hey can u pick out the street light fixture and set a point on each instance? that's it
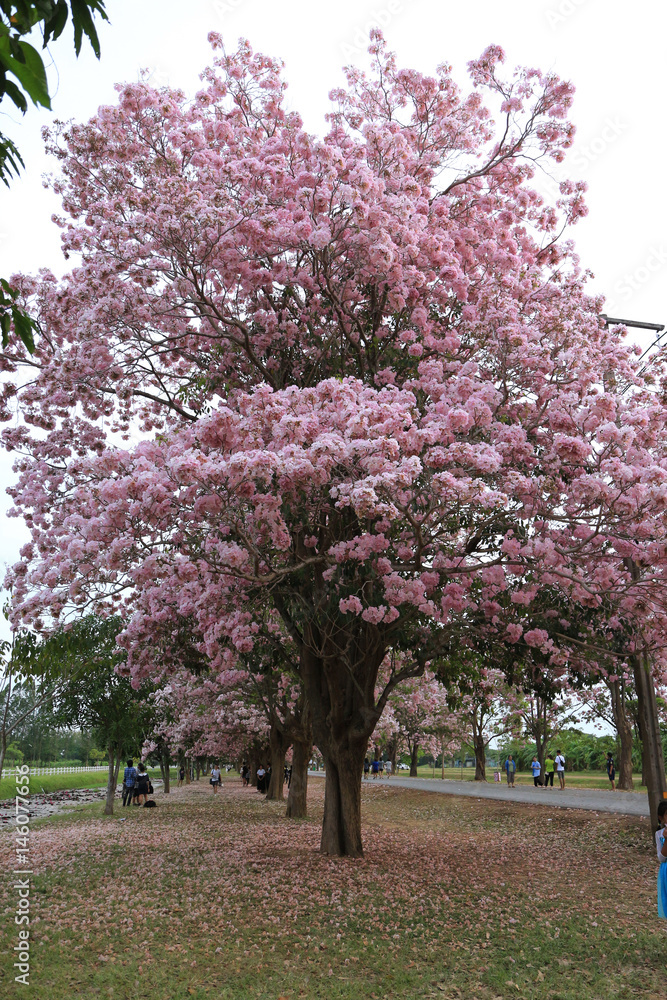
(657, 327)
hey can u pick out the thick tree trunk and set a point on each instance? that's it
(649, 726)
(277, 748)
(254, 765)
(341, 827)
(112, 781)
(188, 770)
(413, 759)
(341, 697)
(624, 730)
(480, 758)
(298, 790)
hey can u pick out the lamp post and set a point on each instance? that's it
(649, 725)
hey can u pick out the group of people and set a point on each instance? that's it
(377, 768)
(552, 765)
(136, 784)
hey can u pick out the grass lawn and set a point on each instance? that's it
(222, 897)
(573, 779)
(58, 782)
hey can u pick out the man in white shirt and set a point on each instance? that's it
(387, 768)
(560, 768)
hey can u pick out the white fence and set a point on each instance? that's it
(38, 772)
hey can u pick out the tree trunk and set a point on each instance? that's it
(277, 748)
(624, 729)
(480, 758)
(254, 764)
(647, 712)
(341, 826)
(164, 767)
(188, 769)
(298, 789)
(393, 753)
(112, 781)
(413, 759)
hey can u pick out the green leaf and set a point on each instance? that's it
(24, 326)
(53, 28)
(33, 61)
(15, 94)
(10, 159)
(29, 70)
(4, 326)
(83, 23)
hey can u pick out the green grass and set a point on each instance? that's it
(58, 782)
(573, 779)
(455, 898)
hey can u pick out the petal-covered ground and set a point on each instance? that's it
(223, 897)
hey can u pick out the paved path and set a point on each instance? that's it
(598, 800)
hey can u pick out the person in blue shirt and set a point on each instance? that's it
(536, 768)
(129, 783)
(510, 770)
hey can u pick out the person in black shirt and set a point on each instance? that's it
(611, 771)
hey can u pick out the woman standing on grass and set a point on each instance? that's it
(141, 788)
(661, 844)
(215, 778)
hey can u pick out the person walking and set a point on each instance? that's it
(375, 768)
(181, 775)
(245, 774)
(367, 768)
(387, 768)
(536, 768)
(611, 771)
(215, 778)
(560, 768)
(510, 770)
(141, 787)
(129, 781)
(261, 778)
(661, 845)
(549, 768)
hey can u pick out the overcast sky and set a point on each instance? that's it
(613, 53)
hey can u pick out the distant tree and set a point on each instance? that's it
(31, 673)
(98, 698)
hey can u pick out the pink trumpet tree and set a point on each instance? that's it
(487, 710)
(419, 706)
(382, 397)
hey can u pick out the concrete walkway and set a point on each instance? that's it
(598, 800)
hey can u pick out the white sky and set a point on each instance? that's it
(613, 52)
